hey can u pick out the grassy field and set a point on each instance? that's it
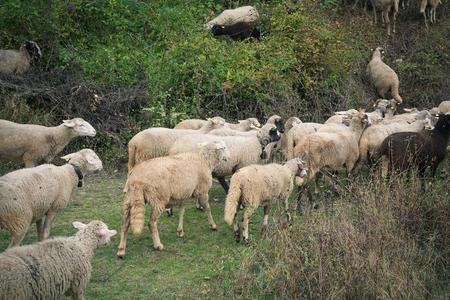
(187, 267)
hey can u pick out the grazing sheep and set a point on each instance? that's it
(373, 137)
(403, 150)
(237, 31)
(432, 4)
(156, 142)
(53, 268)
(18, 62)
(34, 143)
(444, 107)
(386, 7)
(382, 76)
(332, 150)
(37, 194)
(244, 150)
(257, 185)
(165, 182)
(246, 14)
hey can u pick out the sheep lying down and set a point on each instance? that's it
(52, 268)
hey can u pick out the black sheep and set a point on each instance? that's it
(237, 31)
(403, 150)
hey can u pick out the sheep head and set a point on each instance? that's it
(291, 122)
(32, 48)
(216, 122)
(96, 230)
(383, 105)
(86, 159)
(80, 127)
(253, 123)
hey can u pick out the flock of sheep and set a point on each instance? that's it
(167, 166)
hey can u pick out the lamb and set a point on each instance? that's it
(432, 4)
(55, 267)
(403, 150)
(333, 150)
(444, 107)
(247, 14)
(164, 182)
(18, 62)
(156, 141)
(244, 150)
(373, 137)
(257, 185)
(382, 76)
(386, 7)
(37, 194)
(35, 143)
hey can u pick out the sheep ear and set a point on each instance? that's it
(79, 225)
(69, 123)
(67, 157)
(107, 233)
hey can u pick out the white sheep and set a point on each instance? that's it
(410, 116)
(37, 194)
(373, 137)
(386, 7)
(34, 143)
(52, 268)
(247, 14)
(156, 141)
(432, 4)
(338, 116)
(332, 150)
(382, 76)
(194, 124)
(260, 185)
(244, 150)
(165, 182)
(18, 62)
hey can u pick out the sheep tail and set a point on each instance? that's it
(135, 202)
(131, 157)
(395, 94)
(232, 201)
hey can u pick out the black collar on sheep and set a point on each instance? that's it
(79, 174)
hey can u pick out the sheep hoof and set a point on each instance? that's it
(245, 241)
(158, 247)
(199, 207)
(120, 254)
(180, 233)
(213, 226)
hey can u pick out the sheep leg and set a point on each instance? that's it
(152, 224)
(224, 184)
(40, 229)
(51, 214)
(248, 212)
(237, 233)
(17, 237)
(204, 202)
(123, 233)
(266, 218)
(180, 230)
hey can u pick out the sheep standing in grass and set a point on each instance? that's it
(382, 76)
(52, 268)
(386, 7)
(18, 62)
(260, 185)
(333, 150)
(37, 194)
(156, 142)
(34, 143)
(403, 150)
(245, 150)
(432, 4)
(373, 137)
(165, 182)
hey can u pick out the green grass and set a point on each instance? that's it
(187, 268)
